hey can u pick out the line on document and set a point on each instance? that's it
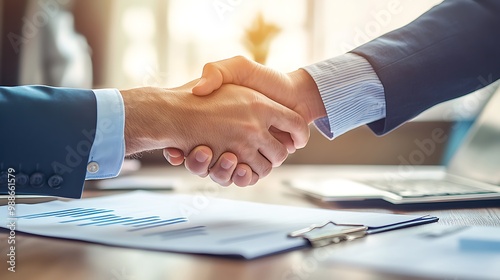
(143, 220)
(179, 232)
(165, 223)
(92, 219)
(51, 213)
(247, 237)
(161, 221)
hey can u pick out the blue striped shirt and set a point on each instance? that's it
(351, 91)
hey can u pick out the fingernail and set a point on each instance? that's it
(241, 172)
(167, 155)
(226, 164)
(201, 156)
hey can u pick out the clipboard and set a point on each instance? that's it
(329, 232)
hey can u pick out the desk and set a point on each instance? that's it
(53, 259)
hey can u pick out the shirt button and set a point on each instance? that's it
(92, 167)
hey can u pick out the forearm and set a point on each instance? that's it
(47, 134)
(451, 50)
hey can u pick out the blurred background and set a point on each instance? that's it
(132, 43)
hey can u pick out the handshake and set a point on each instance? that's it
(235, 124)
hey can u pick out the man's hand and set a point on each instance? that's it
(199, 162)
(296, 90)
(232, 119)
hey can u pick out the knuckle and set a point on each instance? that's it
(259, 103)
(209, 67)
(297, 120)
(255, 134)
(241, 59)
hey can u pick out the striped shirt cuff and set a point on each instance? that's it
(351, 91)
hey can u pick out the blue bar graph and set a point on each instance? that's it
(180, 233)
(95, 219)
(104, 217)
(159, 224)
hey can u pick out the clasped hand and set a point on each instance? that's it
(250, 152)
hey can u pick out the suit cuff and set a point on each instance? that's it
(108, 149)
(351, 91)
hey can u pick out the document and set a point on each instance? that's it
(183, 223)
(437, 252)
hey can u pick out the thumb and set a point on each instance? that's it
(229, 71)
(211, 80)
(174, 156)
(205, 86)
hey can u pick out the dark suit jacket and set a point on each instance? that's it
(451, 50)
(46, 135)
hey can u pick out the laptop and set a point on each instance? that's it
(473, 173)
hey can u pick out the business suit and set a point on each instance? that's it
(446, 53)
(46, 136)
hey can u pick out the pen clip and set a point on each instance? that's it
(318, 235)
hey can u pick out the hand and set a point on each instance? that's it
(199, 159)
(296, 90)
(199, 163)
(225, 121)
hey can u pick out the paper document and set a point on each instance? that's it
(183, 223)
(437, 252)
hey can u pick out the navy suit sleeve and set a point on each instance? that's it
(450, 51)
(46, 136)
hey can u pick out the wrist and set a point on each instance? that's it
(132, 129)
(309, 102)
(145, 119)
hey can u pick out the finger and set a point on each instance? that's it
(198, 160)
(223, 169)
(174, 156)
(242, 175)
(255, 179)
(259, 163)
(284, 138)
(273, 150)
(289, 121)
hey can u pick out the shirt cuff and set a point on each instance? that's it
(108, 151)
(351, 91)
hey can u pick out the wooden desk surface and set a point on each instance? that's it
(54, 259)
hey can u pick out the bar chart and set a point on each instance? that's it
(84, 217)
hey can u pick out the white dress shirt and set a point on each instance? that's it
(351, 91)
(108, 150)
